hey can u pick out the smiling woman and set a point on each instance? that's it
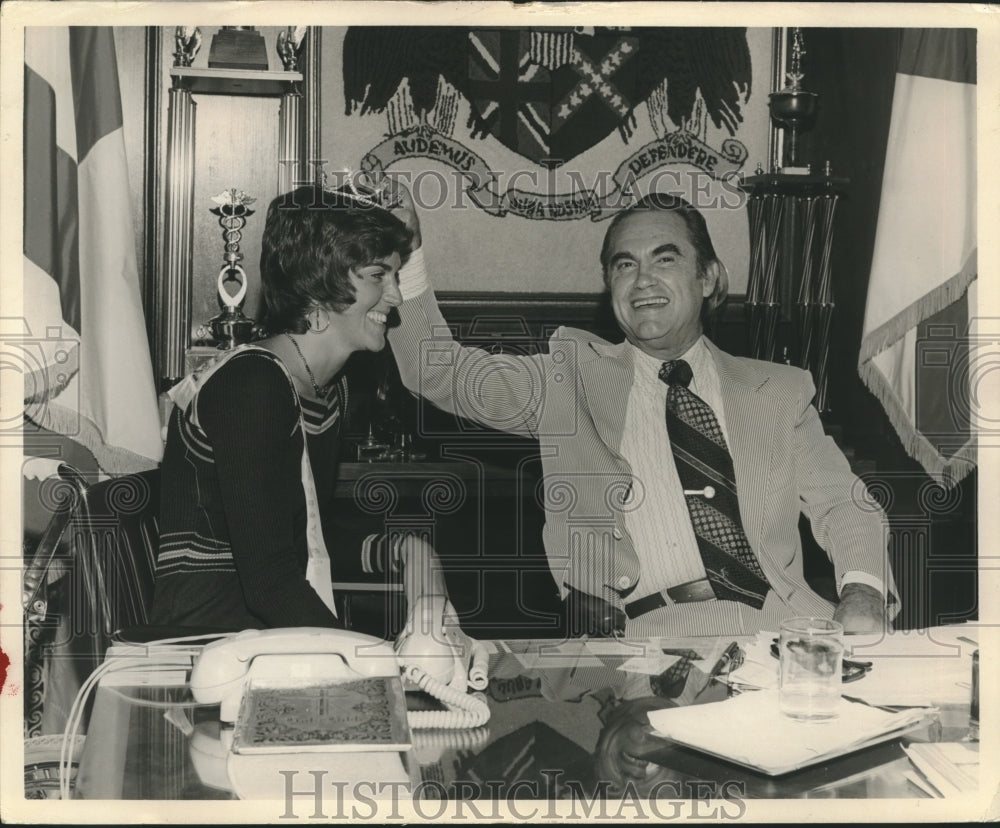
(253, 441)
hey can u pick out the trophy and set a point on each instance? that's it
(289, 45)
(231, 328)
(187, 42)
(792, 106)
(238, 47)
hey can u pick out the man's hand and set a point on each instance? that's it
(861, 609)
(589, 615)
(624, 741)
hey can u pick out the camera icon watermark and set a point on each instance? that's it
(957, 374)
(498, 381)
(932, 548)
(45, 362)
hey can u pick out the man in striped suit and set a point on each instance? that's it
(630, 544)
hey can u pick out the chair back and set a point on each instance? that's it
(115, 537)
(62, 494)
(91, 575)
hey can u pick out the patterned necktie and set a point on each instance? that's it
(702, 460)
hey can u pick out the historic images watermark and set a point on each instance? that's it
(314, 795)
(538, 193)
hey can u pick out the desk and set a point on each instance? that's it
(565, 723)
(413, 479)
(485, 522)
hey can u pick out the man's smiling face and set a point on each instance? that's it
(657, 283)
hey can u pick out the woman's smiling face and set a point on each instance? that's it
(362, 325)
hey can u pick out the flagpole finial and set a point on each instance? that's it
(795, 73)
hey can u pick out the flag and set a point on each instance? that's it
(918, 350)
(510, 91)
(82, 336)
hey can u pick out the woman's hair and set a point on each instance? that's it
(312, 239)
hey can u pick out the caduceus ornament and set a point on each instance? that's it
(231, 327)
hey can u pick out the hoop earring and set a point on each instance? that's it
(318, 320)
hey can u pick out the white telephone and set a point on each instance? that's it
(435, 663)
(226, 666)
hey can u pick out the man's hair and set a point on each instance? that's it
(700, 240)
(312, 239)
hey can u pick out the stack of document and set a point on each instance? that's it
(945, 768)
(913, 668)
(140, 665)
(750, 730)
(759, 669)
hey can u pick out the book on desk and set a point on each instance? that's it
(367, 714)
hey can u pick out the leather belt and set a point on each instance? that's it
(700, 590)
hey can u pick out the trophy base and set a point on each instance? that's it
(238, 49)
(231, 328)
(806, 170)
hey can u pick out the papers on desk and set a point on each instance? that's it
(945, 768)
(536, 655)
(129, 665)
(916, 668)
(750, 730)
(137, 676)
(706, 648)
(759, 668)
(661, 654)
(621, 647)
(651, 665)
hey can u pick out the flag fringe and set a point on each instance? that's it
(948, 471)
(112, 460)
(50, 380)
(938, 299)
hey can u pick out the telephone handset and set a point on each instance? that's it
(445, 664)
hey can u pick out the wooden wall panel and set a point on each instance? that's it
(236, 146)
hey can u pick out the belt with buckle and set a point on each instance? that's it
(700, 590)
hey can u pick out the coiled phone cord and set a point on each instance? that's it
(465, 710)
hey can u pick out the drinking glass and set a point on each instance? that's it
(810, 651)
(974, 701)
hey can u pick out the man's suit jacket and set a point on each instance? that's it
(573, 400)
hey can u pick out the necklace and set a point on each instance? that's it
(320, 390)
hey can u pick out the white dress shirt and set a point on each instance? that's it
(657, 515)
